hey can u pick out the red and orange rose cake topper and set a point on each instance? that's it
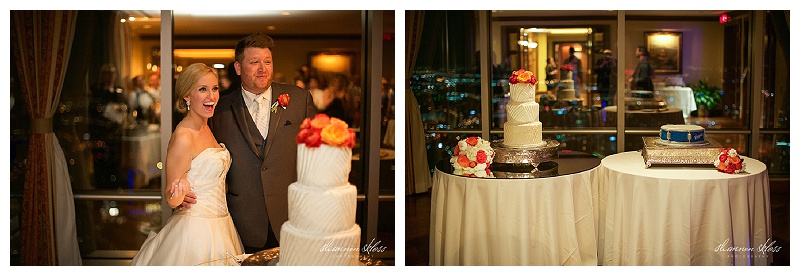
(472, 157)
(283, 101)
(324, 129)
(729, 161)
(522, 76)
(566, 67)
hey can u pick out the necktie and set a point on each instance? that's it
(262, 116)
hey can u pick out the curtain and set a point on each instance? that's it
(41, 42)
(121, 48)
(418, 176)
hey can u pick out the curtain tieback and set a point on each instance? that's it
(41, 125)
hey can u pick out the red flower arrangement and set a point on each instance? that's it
(283, 101)
(566, 67)
(522, 76)
(729, 161)
(324, 129)
(472, 158)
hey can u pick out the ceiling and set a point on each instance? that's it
(241, 23)
(561, 13)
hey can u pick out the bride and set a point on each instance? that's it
(203, 234)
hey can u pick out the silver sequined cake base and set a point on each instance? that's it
(544, 169)
(529, 155)
(656, 152)
(525, 162)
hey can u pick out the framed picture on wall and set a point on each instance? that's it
(665, 51)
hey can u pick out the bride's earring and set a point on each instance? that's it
(187, 106)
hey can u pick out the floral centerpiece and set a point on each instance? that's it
(729, 161)
(522, 76)
(324, 129)
(566, 72)
(472, 157)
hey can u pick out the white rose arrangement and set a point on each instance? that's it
(472, 158)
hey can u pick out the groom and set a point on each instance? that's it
(261, 141)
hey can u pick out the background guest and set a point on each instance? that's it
(641, 78)
(551, 75)
(341, 104)
(606, 70)
(577, 70)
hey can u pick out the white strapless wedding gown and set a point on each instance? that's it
(203, 234)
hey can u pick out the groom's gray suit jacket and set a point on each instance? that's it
(261, 171)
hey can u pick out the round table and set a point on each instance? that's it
(681, 215)
(538, 221)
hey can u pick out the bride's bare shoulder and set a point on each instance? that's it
(181, 137)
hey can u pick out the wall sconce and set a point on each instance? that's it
(338, 63)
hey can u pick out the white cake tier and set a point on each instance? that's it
(565, 94)
(322, 210)
(566, 84)
(319, 249)
(566, 75)
(523, 92)
(520, 113)
(325, 166)
(522, 135)
(682, 128)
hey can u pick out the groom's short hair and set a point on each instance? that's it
(256, 40)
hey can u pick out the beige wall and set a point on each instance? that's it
(702, 44)
(702, 47)
(289, 54)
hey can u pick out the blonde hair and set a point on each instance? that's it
(189, 77)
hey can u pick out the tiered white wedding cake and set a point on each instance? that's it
(566, 86)
(321, 229)
(522, 153)
(523, 128)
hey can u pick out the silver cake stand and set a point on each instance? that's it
(525, 162)
(270, 257)
(660, 152)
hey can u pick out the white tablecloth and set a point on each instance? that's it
(388, 138)
(482, 221)
(142, 155)
(681, 215)
(678, 97)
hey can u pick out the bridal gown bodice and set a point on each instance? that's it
(207, 176)
(203, 234)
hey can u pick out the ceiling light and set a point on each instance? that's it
(204, 53)
(571, 31)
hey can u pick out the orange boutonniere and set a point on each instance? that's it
(283, 101)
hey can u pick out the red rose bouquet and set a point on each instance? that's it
(472, 157)
(522, 76)
(729, 161)
(566, 67)
(324, 129)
